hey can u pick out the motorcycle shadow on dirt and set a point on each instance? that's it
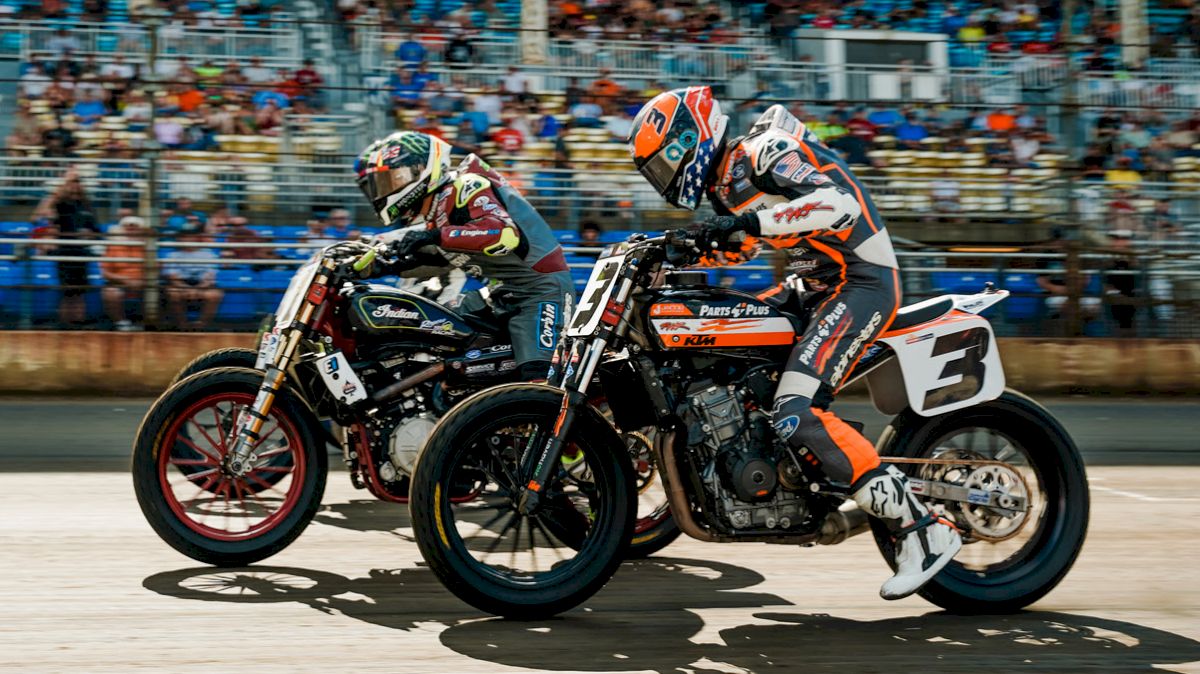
(366, 515)
(645, 619)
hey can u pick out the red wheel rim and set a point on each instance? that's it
(217, 497)
(652, 520)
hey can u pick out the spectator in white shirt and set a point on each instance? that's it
(34, 82)
(63, 43)
(489, 103)
(117, 70)
(256, 73)
(515, 82)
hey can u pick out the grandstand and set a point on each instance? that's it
(1011, 154)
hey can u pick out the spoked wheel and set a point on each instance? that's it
(484, 549)
(1023, 542)
(194, 502)
(654, 528)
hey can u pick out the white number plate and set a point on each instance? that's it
(341, 381)
(595, 296)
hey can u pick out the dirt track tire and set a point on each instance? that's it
(447, 554)
(234, 356)
(168, 517)
(1051, 551)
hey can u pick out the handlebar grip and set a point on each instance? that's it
(364, 261)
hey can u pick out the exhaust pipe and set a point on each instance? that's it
(392, 390)
(840, 525)
(681, 510)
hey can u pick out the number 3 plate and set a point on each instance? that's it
(949, 364)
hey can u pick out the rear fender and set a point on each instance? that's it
(939, 366)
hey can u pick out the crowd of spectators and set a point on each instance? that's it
(198, 13)
(665, 21)
(60, 94)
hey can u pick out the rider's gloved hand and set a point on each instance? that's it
(716, 231)
(414, 241)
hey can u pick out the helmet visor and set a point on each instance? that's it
(379, 185)
(660, 172)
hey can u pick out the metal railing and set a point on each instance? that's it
(1159, 297)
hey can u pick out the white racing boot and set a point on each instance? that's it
(924, 542)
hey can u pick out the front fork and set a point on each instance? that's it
(241, 458)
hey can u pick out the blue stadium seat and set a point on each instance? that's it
(271, 284)
(43, 276)
(1027, 303)
(960, 282)
(616, 235)
(8, 295)
(240, 288)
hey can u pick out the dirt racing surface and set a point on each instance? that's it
(87, 586)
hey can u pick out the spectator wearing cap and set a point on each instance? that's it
(340, 227)
(123, 280)
(191, 276)
(404, 89)
(605, 91)
(237, 230)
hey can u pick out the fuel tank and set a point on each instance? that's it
(715, 318)
(381, 313)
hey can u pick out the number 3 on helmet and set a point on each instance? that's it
(395, 173)
(673, 140)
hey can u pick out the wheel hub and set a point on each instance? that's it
(988, 522)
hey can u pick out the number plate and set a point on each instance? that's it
(341, 381)
(599, 289)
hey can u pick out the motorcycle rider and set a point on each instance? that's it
(477, 221)
(780, 185)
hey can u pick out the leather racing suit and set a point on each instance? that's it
(788, 190)
(486, 227)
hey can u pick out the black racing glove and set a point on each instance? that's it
(716, 231)
(414, 241)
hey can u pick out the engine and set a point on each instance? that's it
(741, 461)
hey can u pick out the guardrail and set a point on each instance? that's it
(1160, 299)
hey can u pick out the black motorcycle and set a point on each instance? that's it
(701, 365)
(230, 462)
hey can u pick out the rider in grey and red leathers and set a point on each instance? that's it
(780, 185)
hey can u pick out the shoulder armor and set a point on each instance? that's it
(766, 148)
(466, 186)
(777, 118)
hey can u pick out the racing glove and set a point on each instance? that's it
(716, 231)
(414, 241)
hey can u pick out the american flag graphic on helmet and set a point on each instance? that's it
(693, 177)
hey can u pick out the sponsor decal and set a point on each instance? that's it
(721, 325)
(388, 311)
(508, 365)
(786, 426)
(670, 309)
(793, 213)
(916, 486)
(700, 340)
(469, 233)
(835, 314)
(547, 320)
(349, 388)
(480, 368)
(738, 171)
(473, 354)
(737, 311)
(919, 338)
(671, 326)
(772, 151)
(331, 366)
(978, 496)
(810, 350)
(971, 305)
(859, 339)
(440, 325)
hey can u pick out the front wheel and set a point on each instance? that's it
(1011, 558)
(483, 549)
(189, 497)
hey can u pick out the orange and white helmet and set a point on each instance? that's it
(673, 140)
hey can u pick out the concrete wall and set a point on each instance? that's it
(110, 363)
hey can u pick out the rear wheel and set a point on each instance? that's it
(483, 549)
(235, 356)
(190, 498)
(1011, 558)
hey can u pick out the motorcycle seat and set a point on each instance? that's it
(922, 312)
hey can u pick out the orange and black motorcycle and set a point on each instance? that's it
(700, 365)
